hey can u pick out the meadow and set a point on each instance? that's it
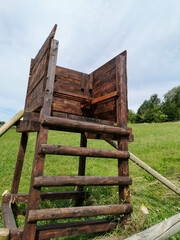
(158, 145)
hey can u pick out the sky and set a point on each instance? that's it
(90, 33)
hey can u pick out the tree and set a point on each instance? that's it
(171, 104)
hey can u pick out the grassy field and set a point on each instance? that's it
(158, 145)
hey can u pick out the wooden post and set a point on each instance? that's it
(19, 162)
(82, 168)
(11, 122)
(38, 164)
(121, 111)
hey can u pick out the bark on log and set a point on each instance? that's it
(11, 122)
(151, 171)
(82, 126)
(82, 151)
(74, 212)
(45, 181)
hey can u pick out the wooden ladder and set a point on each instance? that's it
(38, 180)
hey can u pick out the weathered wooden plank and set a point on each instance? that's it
(80, 151)
(69, 73)
(81, 118)
(28, 126)
(44, 196)
(161, 231)
(36, 103)
(19, 163)
(8, 216)
(71, 96)
(44, 47)
(31, 116)
(80, 126)
(75, 212)
(104, 68)
(45, 232)
(67, 106)
(45, 181)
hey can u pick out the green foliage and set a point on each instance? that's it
(131, 116)
(153, 110)
(2, 123)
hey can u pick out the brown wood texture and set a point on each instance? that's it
(82, 151)
(19, 163)
(7, 215)
(38, 164)
(28, 126)
(74, 212)
(38, 76)
(45, 232)
(80, 126)
(82, 168)
(68, 91)
(45, 196)
(46, 181)
(121, 87)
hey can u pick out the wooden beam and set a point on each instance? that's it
(101, 99)
(11, 122)
(44, 232)
(82, 126)
(163, 230)
(74, 212)
(23, 197)
(19, 163)
(71, 96)
(45, 181)
(28, 126)
(81, 151)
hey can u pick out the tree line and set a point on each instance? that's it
(155, 110)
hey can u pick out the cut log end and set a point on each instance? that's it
(4, 234)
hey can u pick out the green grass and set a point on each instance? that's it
(158, 145)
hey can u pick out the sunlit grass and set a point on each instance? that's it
(158, 145)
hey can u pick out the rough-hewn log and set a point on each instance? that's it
(4, 234)
(161, 231)
(151, 171)
(45, 181)
(74, 212)
(11, 122)
(23, 197)
(80, 126)
(81, 151)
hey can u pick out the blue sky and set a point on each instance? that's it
(91, 32)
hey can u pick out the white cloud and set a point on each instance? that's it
(91, 33)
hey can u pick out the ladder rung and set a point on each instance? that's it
(75, 212)
(46, 181)
(71, 125)
(82, 151)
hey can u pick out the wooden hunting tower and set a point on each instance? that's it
(94, 105)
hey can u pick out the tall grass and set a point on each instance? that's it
(158, 145)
